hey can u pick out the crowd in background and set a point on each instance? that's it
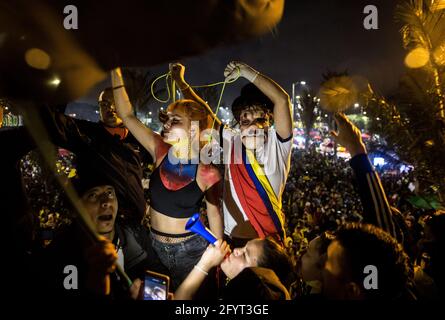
(320, 195)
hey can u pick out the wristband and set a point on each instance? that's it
(252, 78)
(201, 269)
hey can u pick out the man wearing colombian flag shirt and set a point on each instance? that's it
(257, 159)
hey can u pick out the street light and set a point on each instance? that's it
(55, 82)
(303, 83)
(356, 105)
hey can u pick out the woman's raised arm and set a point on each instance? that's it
(143, 134)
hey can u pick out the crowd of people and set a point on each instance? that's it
(319, 196)
(289, 224)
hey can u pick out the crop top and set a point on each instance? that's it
(181, 203)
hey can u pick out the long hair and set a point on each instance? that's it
(276, 258)
(195, 112)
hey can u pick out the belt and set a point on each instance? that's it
(171, 238)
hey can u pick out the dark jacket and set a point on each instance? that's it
(94, 146)
(376, 209)
(17, 220)
(69, 247)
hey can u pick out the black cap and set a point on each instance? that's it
(251, 96)
(88, 177)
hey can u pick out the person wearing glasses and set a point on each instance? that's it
(108, 147)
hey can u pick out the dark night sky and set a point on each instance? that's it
(312, 37)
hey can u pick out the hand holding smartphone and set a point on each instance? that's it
(156, 286)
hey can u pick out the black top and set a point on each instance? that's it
(181, 203)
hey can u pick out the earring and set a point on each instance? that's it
(190, 149)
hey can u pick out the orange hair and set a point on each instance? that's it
(194, 110)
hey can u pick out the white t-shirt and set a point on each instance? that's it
(274, 158)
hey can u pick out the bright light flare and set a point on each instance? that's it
(37, 59)
(417, 58)
(55, 82)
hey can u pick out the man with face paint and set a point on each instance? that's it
(109, 148)
(180, 181)
(257, 158)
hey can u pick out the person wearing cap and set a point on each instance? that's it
(253, 187)
(108, 148)
(121, 242)
(256, 158)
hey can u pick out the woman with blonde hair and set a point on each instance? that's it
(179, 181)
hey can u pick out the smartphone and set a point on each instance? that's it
(155, 286)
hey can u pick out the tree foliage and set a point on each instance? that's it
(307, 105)
(138, 82)
(412, 120)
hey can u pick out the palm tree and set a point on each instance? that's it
(412, 122)
(138, 83)
(423, 33)
(337, 93)
(307, 105)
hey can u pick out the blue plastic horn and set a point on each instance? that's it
(195, 225)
